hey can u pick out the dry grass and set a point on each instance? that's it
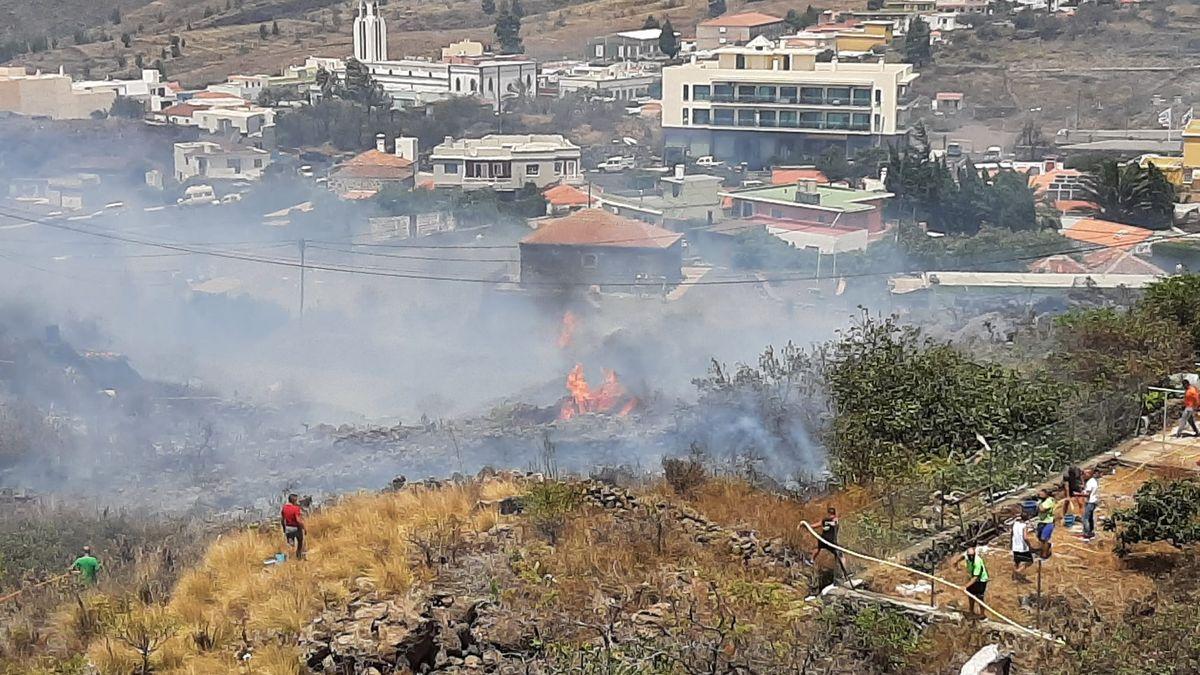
(735, 503)
(363, 541)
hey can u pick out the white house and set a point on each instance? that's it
(248, 121)
(505, 162)
(149, 89)
(206, 159)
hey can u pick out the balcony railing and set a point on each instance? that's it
(780, 123)
(787, 100)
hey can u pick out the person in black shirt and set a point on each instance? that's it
(829, 539)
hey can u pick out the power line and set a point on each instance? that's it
(383, 272)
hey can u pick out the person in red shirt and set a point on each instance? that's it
(1191, 401)
(292, 518)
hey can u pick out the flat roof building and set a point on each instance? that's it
(737, 29)
(764, 103)
(505, 161)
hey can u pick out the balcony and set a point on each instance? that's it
(860, 102)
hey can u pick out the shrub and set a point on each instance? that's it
(1163, 511)
(684, 475)
(549, 505)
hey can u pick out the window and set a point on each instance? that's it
(491, 85)
(450, 168)
(787, 95)
(860, 122)
(788, 118)
(723, 92)
(686, 111)
(723, 116)
(776, 213)
(701, 92)
(838, 95)
(701, 116)
(878, 122)
(258, 163)
(812, 120)
(532, 169)
(599, 51)
(745, 118)
(558, 168)
(861, 96)
(878, 96)
(501, 170)
(477, 170)
(620, 51)
(740, 62)
(458, 84)
(571, 167)
(590, 261)
(812, 95)
(766, 118)
(837, 121)
(745, 93)
(721, 30)
(686, 93)
(766, 94)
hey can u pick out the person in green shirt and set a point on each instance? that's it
(87, 565)
(979, 578)
(1045, 527)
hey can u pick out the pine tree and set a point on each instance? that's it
(263, 32)
(667, 41)
(508, 30)
(488, 6)
(516, 9)
(115, 17)
(716, 8)
(916, 43)
(274, 28)
(126, 40)
(650, 22)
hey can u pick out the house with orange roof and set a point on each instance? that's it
(594, 247)
(369, 172)
(790, 175)
(1057, 183)
(1099, 234)
(737, 29)
(562, 199)
(182, 114)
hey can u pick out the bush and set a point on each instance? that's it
(1163, 511)
(684, 475)
(548, 507)
(1176, 298)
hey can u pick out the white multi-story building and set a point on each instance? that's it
(150, 89)
(49, 95)
(763, 103)
(205, 159)
(622, 81)
(505, 162)
(461, 72)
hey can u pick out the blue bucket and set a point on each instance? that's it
(1069, 520)
(1029, 508)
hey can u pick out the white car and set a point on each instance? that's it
(708, 160)
(197, 195)
(614, 164)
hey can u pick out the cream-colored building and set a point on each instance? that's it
(764, 103)
(505, 162)
(49, 95)
(205, 159)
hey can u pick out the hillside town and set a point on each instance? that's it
(597, 336)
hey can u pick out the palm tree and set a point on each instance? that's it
(1130, 194)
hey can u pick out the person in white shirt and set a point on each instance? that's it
(1022, 554)
(1092, 489)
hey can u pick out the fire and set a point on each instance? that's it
(566, 334)
(611, 398)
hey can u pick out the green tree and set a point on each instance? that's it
(127, 108)
(917, 50)
(274, 28)
(115, 16)
(126, 40)
(716, 8)
(1176, 298)
(668, 42)
(517, 9)
(263, 31)
(1024, 19)
(1163, 511)
(650, 22)
(1130, 194)
(834, 165)
(508, 30)
(488, 6)
(874, 5)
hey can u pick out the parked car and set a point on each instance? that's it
(709, 161)
(993, 154)
(615, 164)
(197, 195)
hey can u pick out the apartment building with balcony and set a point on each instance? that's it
(505, 162)
(765, 104)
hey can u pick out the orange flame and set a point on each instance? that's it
(611, 396)
(566, 334)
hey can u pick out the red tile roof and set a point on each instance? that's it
(1057, 264)
(787, 175)
(215, 95)
(376, 164)
(182, 109)
(566, 195)
(744, 20)
(597, 227)
(1106, 233)
(1117, 261)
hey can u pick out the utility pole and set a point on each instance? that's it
(303, 245)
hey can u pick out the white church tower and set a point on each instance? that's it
(370, 33)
